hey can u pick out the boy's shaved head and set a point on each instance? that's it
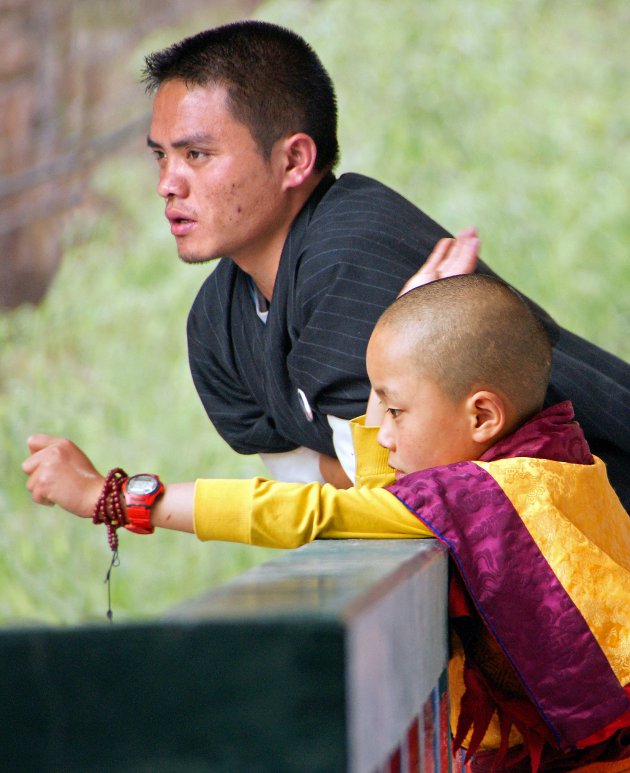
(473, 332)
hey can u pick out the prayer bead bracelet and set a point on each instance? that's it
(109, 508)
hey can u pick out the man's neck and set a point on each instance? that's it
(263, 261)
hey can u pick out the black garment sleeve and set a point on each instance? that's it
(362, 244)
(598, 385)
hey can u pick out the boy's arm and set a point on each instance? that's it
(286, 515)
(257, 511)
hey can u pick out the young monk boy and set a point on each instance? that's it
(540, 544)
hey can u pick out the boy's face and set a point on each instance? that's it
(422, 427)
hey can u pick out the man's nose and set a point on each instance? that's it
(172, 182)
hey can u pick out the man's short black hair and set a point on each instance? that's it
(276, 84)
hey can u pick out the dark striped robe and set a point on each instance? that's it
(348, 253)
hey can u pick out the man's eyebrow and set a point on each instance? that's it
(194, 139)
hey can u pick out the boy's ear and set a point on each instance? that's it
(488, 416)
(300, 154)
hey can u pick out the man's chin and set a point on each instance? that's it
(189, 258)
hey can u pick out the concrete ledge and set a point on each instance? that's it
(317, 661)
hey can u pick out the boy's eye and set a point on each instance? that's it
(394, 412)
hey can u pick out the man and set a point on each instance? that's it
(244, 133)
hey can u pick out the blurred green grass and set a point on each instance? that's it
(512, 117)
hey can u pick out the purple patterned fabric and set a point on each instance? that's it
(529, 612)
(551, 434)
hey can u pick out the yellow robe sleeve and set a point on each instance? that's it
(286, 515)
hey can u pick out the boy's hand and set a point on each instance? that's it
(450, 257)
(332, 472)
(59, 473)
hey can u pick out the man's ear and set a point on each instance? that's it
(300, 154)
(488, 417)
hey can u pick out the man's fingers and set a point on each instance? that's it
(471, 230)
(462, 258)
(450, 257)
(439, 253)
(431, 268)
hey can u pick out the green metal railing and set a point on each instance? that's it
(331, 658)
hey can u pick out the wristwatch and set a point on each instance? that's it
(140, 492)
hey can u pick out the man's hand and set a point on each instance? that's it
(59, 473)
(450, 257)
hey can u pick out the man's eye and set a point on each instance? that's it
(158, 155)
(195, 154)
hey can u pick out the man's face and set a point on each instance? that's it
(223, 198)
(422, 427)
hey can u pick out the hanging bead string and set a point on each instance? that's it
(109, 511)
(114, 562)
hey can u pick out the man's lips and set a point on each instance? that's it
(181, 223)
